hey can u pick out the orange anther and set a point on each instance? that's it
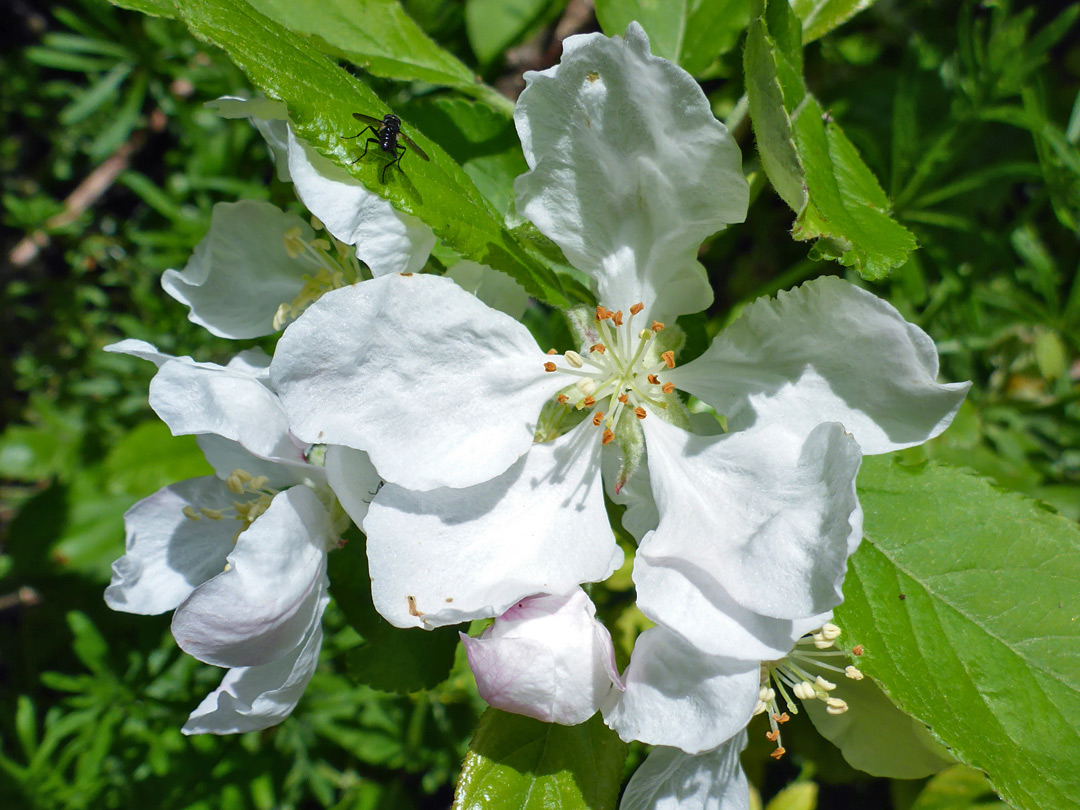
(669, 359)
(552, 351)
(636, 308)
(779, 752)
(588, 402)
(653, 379)
(772, 736)
(597, 418)
(657, 326)
(598, 347)
(667, 387)
(602, 313)
(562, 399)
(405, 274)
(608, 436)
(550, 367)
(781, 718)
(623, 398)
(857, 649)
(639, 412)
(617, 318)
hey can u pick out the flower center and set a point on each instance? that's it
(618, 373)
(239, 482)
(333, 265)
(801, 673)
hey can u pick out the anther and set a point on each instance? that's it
(598, 417)
(772, 735)
(828, 686)
(598, 347)
(667, 387)
(589, 401)
(652, 378)
(607, 437)
(562, 399)
(552, 351)
(574, 359)
(623, 398)
(857, 649)
(190, 513)
(602, 313)
(636, 308)
(669, 359)
(549, 366)
(657, 326)
(617, 318)
(854, 673)
(639, 412)
(779, 752)
(835, 706)
(213, 514)
(586, 386)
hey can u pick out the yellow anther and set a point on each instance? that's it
(213, 514)
(191, 514)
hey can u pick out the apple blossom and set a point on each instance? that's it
(240, 556)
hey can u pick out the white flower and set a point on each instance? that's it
(672, 780)
(240, 556)
(547, 657)
(259, 267)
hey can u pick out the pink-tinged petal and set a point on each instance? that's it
(826, 352)
(254, 698)
(764, 515)
(436, 387)
(672, 780)
(678, 696)
(240, 273)
(547, 657)
(168, 554)
(260, 607)
(451, 555)
(630, 171)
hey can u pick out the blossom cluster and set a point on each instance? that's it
(479, 465)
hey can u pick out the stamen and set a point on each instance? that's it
(652, 378)
(607, 437)
(667, 387)
(549, 366)
(636, 308)
(574, 359)
(657, 326)
(669, 359)
(623, 398)
(639, 412)
(552, 351)
(598, 417)
(598, 347)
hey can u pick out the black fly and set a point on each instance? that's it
(386, 131)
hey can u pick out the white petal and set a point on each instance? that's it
(240, 273)
(140, 349)
(826, 352)
(168, 554)
(671, 780)
(439, 389)
(354, 480)
(764, 515)
(677, 696)
(495, 289)
(387, 240)
(254, 698)
(702, 612)
(225, 456)
(270, 117)
(259, 609)
(450, 555)
(194, 398)
(630, 171)
(640, 516)
(547, 657)
(875, 736)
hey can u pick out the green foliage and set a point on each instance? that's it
(943, 594)
(515, 761)
(811, 163)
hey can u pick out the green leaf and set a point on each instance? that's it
(494, 25)
(155, 8)
(800, 796)
(811, 163)
(378, 36)
(957, 788)
(521, 763)
(89, 646)
(965, 599)
(390, 659)
(321, 98)
(691, 33)
(149, 457)
(819, 17)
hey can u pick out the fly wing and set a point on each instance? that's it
(413, 146)
(367, 119)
